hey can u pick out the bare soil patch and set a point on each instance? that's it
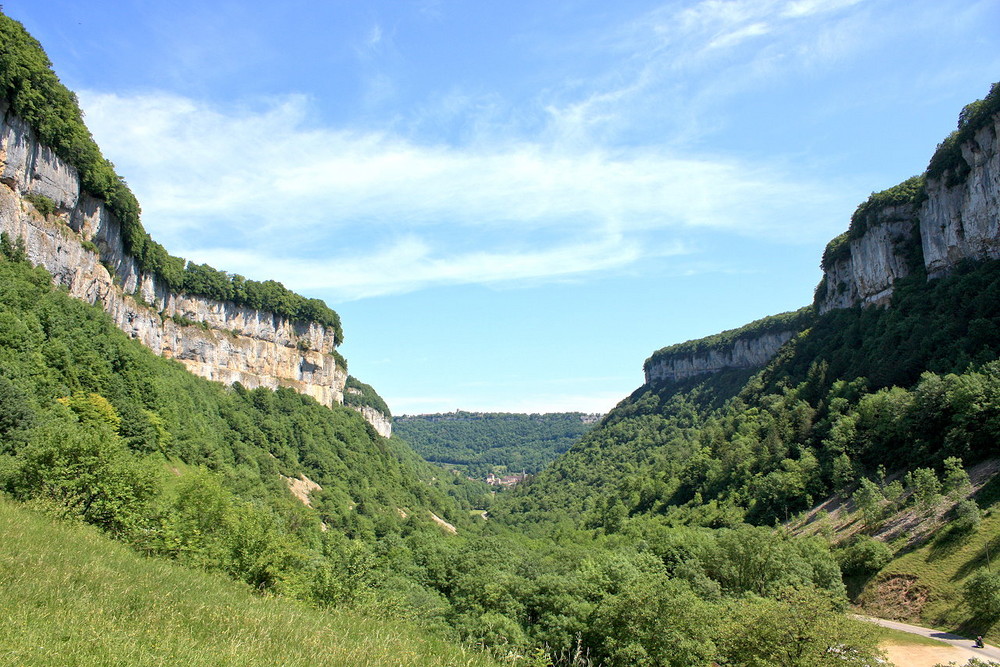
(898, 597)
(912, 655)
(301, 488)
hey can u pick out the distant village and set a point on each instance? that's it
(506, 481)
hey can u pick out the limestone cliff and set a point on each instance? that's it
(744, 352)
(363, 398)
(962, 220)
(954, 216)
(80, 244)
(750, 346)
(381, 423)
(865, 273)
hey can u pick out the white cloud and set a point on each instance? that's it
(241, 188)
(741, 34)
(802, 8)
(411, 263)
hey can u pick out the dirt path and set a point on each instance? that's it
(912, 655)
(960, 649)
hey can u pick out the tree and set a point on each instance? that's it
(926, 488)
(85, 471)
(653, 622)
(863, 556)
(869, 500)
(956, 480)
(802, 628)
(982, 593)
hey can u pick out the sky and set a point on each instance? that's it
(513, 204)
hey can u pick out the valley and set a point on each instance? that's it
(188, 473)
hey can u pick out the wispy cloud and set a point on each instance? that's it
(550, 190)
(252, 186)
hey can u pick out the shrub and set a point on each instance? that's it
(967, 517)
(863, 556)
(84, 470)
(982, 594)
(42, 204)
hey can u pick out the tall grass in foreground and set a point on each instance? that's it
(70, 596)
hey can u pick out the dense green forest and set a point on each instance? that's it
(95, 428)
(33, 91)
(134, 443)
(862, 388)
(479, 443)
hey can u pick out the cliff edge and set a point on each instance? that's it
(750, 346)
(79, 241)
(920, 229)
(926, 225)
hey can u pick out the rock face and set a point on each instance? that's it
(381, 423)
(963, 221)
(751, 351)
(955, 222)
(876, 261)
(228, 343)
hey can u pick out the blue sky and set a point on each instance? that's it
(512, 204)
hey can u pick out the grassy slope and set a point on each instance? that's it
(931, 564)
(944, 563)
(73, 597)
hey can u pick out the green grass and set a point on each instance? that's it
(943, 564)
(70, 596)
(900, 638)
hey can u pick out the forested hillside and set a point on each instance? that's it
(652, 541)
(912, 383)
(95, 428)
(861, 388)
(77, 393)
(481, 443)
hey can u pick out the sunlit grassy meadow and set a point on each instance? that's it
(70, 596)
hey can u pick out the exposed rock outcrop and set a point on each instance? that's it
(750, 351)
(226, 342)
(875, 261)
(957, 219)
(381, 423)
(962, 221)
(363, 398)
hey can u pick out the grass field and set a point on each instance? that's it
(70, 596)
(941, 566)
(924, 581)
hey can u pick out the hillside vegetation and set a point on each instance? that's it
(655, 540)
(94, 428)
(96, 425)
(862, 388)
(73, 597)
(479, 443)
